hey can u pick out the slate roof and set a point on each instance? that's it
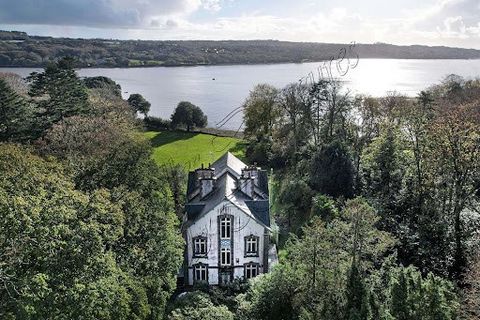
(191, 182)
(228, 170)
(228, 162)
(261, 210)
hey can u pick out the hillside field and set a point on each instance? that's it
(192, 149)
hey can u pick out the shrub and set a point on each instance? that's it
(157, 124)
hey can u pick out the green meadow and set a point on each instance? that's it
(192, 149)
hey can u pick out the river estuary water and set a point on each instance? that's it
(220, 89)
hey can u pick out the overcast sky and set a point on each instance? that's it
(431, 22)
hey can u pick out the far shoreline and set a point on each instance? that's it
(226, 64)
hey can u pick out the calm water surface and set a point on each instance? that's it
(220, 89)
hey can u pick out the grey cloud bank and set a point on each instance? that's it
(432, 22)
(90, 13)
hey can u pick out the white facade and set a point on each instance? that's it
(226, 225)
(208, 226)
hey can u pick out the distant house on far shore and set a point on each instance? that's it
(227, 223)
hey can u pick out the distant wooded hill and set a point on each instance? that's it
(18, 49)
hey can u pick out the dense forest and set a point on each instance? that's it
(377, 201)
(88, 228)
(17, 49)
(375, 205)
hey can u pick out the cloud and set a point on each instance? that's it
(452, 23)
(445, 22)
(212, 5)
(336, 24)
(438, 22)
(448, 19)
(97, 13)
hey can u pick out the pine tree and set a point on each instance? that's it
(59, 92)
(415, 297)
(15, 115)
(357, 296)
(399, 290)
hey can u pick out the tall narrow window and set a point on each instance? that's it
(200, 272)
(251, 270)
(251, 246)
(225, 257)
(199, 246)
(225, 228)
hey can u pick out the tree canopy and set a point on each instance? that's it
(36, 51)
(16, 115)
(188, 115)
(59, 92)
(331, 272)
(58, 260)
(139, 104)
(413, 160)
(88, 218)
(375, 200)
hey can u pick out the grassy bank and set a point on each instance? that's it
(192, 149)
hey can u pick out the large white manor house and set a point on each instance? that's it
(227, 223)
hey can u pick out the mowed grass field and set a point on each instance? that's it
(192, 149)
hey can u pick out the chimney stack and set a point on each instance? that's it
(248, 180)
(205, 180)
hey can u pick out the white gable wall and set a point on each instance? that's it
(207, 226)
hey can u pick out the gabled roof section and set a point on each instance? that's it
(227, 178)
(228, 162)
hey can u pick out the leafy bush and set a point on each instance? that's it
(197, 305)
(157, 124)
(101, 82)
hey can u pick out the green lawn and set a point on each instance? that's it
(192, 149)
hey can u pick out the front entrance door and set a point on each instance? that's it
(225, 276)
